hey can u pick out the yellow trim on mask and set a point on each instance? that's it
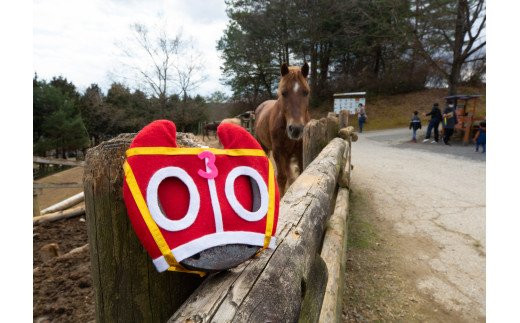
(173, 151)
(270, 210)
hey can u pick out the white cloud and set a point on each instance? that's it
(76, 39)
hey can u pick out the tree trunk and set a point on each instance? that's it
(378, 57)
(324, 67)
(314, 69)
(454, 77)
(456, 66)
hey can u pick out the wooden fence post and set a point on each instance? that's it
(343, 119)
(316, 135)
(126, 284)
(36, 205)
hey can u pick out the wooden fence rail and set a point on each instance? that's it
(285, 284)
(57, 161)
(57, 185)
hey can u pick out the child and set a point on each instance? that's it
(414, 125)
(480, 137)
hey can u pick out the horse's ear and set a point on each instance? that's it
(285, 69)
(305, 69)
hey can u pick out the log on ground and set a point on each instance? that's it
(65, 204)
(60, 215)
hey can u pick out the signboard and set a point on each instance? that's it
(348, 101)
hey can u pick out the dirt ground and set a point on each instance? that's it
(62, 287)
(416, 247)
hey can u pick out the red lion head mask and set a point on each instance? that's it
(182, 201)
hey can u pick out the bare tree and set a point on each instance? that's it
(189, 72)
(161, 63)
(449, 35)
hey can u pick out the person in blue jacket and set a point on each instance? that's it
(480, 137)
(362, 116)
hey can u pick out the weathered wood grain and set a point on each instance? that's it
(126, 284)
(343, 118)
(274, 286)
(316, 135)
(344, 177)
(333, 253)
(314, 290)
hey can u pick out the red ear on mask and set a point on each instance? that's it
(160, 133)
(176, 212)
(233, 136)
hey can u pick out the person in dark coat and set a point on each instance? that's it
(480, 137)
(436, 117)
(362, 116)
(415, 124)
(449, 121)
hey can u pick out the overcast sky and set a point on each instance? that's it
(76, 39)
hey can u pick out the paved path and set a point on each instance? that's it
(435, 193)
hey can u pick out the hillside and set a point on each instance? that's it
(393, 111)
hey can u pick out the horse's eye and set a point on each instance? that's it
(284, 93)
(305, 93)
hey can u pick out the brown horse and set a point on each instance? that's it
(279, 123)
(212, 126)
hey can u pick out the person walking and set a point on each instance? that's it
(480, 137)
(415, 124)
(435, 119)
(362, 117)
(449, 121)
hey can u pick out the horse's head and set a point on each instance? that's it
(293, 94)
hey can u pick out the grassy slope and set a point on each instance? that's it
(395, 111)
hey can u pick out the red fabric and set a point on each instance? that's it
(174, 195)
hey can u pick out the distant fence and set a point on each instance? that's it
(57, 161)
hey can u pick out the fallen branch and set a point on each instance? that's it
(79, 210)
(65, 204)
(74, 251)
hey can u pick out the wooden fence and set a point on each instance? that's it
(301, 279)
(38, 187)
